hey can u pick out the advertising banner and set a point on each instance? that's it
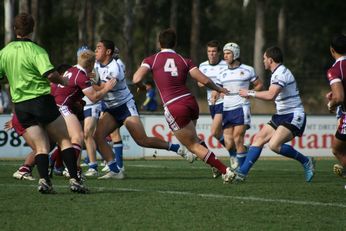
(316, 141)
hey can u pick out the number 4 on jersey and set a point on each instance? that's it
(171, 67)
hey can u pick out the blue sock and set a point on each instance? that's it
(290, 152)
(174, 147)
(222, 141)
(251, 158)
(232, 153)
(113, 166)
(93, 165)
(241, 158)
(118, 150)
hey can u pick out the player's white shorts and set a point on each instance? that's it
(92, 110)
(238, 116)
(295, 122)
(123, 111)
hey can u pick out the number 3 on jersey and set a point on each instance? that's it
(171, 67)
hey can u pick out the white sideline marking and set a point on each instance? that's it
(216, 196)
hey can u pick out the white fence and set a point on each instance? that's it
(316, 140)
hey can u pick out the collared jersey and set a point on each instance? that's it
(235, 79)
(25, 64)
(120, 94)
(122, 66)
(73, 92)
(288, 100)
(170, 72)
(212, 71)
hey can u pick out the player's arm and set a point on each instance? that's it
(336, 97)
(138, 77)
(269, 95)
(96, 95)
(54, 77)
(200, 84)
(257, 84)
(203, 79)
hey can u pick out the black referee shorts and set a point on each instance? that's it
(38, 111)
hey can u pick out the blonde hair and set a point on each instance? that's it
(86, 59)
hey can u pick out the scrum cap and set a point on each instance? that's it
(234, 48)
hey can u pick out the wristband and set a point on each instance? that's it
(251, 93)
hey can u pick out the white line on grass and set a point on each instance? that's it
(217, 196)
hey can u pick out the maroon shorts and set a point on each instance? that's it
(17, 126)
(179, 113)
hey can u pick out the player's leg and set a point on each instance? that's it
(105, 125)
(75, 132)
(339, 147)
(339, 151)
(289, 126)
(41, 144)
(57, 130)
(188, 137)
(118, 147)
(25, 171)
(90, 144)
(136, 129)
(254, 151)
(230, 145)
(238, 134)
(216, 128)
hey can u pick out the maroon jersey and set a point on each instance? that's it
(337, 73)
(69, 95)
(170, 72)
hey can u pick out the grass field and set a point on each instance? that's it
(176, 195)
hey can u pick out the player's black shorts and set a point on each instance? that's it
(38, 111)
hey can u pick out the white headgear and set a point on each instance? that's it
(234, 48)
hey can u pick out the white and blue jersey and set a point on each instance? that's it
(288, 100)
(234, 79)
(120, 94)
(212, 71)
(289, 107)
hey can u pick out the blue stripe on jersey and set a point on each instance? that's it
(276, 83)
(288, 97)
(289, 108)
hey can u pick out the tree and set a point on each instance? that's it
(259, 38)
(195, 27)
(173, 15)
(9, 15)
(128, 35)
(82, 23)
(282, 26)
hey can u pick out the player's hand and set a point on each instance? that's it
(247, 93)
(331, 108)
(224, 91)
(244, 93)
(64, 81)
(8, 125)
(329, 96)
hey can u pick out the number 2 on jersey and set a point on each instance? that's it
(171, 67)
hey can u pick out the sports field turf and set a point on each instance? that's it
(176, 195)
